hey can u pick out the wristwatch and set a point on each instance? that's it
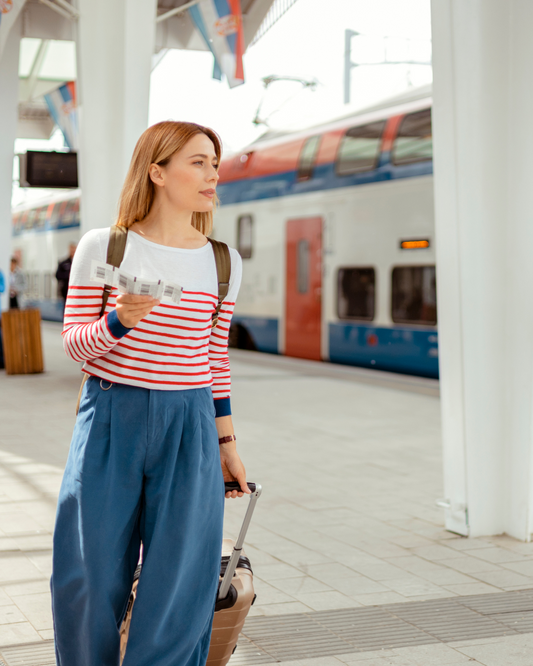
(228, 438)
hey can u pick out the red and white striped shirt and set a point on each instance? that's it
(173, 347)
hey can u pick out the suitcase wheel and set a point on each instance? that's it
(253, 600)
(234, 649)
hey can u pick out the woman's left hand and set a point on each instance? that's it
(233, 469)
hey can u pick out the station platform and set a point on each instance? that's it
(351, 562)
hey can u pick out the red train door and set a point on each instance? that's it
(303, 306)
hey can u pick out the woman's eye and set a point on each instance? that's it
(202, 162)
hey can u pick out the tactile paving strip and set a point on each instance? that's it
(327, 633)
(30, 654)
(271, 640)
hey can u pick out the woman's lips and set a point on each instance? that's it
(208, 193)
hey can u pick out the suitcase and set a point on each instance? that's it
(235, 592)
(236, 589)
(21, 335)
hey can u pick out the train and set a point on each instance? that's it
(335, 226)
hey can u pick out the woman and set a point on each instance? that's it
(145, 463)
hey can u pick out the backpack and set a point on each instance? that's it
(115, 253)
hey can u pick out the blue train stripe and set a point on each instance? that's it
(397, 349)
(47, 227)
(263, 331)
(402, 349)
(324, 178)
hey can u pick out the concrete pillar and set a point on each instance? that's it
(483, 160)
(115, 43)
(9, 87)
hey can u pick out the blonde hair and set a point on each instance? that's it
(156, 145)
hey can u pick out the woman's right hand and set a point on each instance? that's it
(131, 308)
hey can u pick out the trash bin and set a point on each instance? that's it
(21, 333)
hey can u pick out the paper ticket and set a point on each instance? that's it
(130, 284)
(173, 292)
(104, 273)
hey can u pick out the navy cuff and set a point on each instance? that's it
(222, 407)
(117, 329)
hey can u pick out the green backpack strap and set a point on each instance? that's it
(115, 254)
(223, 264)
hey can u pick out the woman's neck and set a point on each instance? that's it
(169, 227)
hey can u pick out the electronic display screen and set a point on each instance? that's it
(50, 169)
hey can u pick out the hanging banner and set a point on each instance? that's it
(64, 110)
(220, 24)
(9, 11)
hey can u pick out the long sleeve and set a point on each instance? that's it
(86, 335)
(218, 341)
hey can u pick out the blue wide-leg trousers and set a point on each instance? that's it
(143, 466)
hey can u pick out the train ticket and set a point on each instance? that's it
(130, 284)
(104, 273)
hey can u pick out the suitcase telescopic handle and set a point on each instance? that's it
(237, 549)
(234, 485)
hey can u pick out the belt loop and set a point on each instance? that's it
(103, 387)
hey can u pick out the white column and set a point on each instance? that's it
(115, 45)
(483, 158)
(9, 90)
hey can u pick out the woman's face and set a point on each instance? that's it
(190, 178)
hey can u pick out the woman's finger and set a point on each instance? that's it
(134, 298)
(137, 307)
(134, 312)
(241, 479)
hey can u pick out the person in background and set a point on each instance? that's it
(63, 272)
(2, 289)
(17, 283)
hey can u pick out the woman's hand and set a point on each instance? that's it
(233, 469)
(131, 308)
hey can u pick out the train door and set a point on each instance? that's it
(303, 304)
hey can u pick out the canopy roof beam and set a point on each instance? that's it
(176, 10)
(33, 76)
(71, 13)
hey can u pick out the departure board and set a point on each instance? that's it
(48, 169)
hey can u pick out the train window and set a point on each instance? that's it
(30, 219)
(359, 149)
(414, 142)
(308, 155)
(40, 217)
(414, 295)
(303, 266)
(356, 293)
(244, 236)
(54, 215)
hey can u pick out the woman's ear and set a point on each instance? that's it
(156, 174)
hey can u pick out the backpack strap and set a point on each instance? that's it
(223, 264)
(115, 253)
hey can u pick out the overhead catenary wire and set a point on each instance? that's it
(269, 80)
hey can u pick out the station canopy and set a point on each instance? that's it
(48, 53)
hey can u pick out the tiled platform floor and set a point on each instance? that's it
(351, 470)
